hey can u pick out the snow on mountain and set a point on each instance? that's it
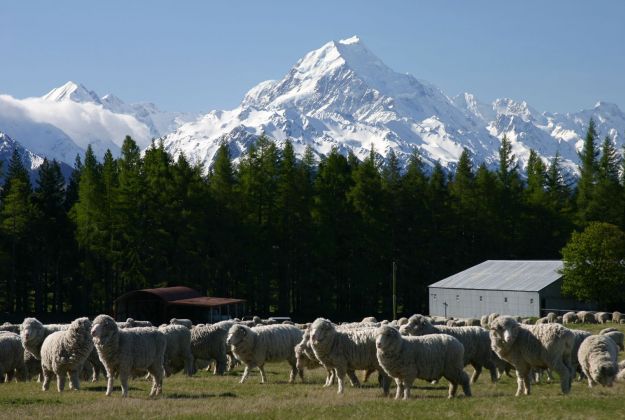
(68, 119)
(7, 145)
(341, 95)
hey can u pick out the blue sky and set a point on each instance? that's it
(202, 55)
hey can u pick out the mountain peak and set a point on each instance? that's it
(352, 40)
(72, 91)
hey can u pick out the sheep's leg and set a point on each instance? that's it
(340, 376)
(123, 377)
(293, 374)
(400, 388)
(453, 388)
(522, 380)
(591, 383)
(406, 385)
(329, 377)
(46, 380)
(263, 377)
(565, 377)
(220, 365)
(368, 373)
(527, 384)
(110, 378)
(246, 373)
(60, 381)
(493, 371)
(386, 384)
(353, 378)
(188, 365)
(74, 380)
(477, 370)
(157, 379)
(466, 385)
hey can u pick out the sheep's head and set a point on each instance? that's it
(604, 374)
(237, 334)
(387, 339)
(406, 329)
(103, 329)
(80, 326)
(32, 331)
(504, 330)
(321, 330)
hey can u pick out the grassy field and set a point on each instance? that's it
(206, 395)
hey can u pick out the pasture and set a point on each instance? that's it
(205, 395)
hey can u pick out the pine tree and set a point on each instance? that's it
(588, 175)
(607, 201)
(71, 192)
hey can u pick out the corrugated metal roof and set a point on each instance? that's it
(529, 276)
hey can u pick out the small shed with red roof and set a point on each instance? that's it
(161, 304)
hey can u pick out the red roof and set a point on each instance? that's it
(181, 295)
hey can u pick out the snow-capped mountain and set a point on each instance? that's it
(69, 118)
(341, 95)
(30, 160)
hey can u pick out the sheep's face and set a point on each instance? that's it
(604, 375)
(504, 330)
(237, 335)
(406, 329)
(103, 329)
(386, 338)
(320, 330)
(31, 331)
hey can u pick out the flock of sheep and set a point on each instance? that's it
(412, 348)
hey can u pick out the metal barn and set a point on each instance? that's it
(524, 288)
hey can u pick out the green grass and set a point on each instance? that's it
(223, 397)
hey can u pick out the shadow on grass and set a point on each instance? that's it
(190, 396)
(102, 388)
(27, 401)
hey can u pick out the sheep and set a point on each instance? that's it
(569, 318)
(602, 317)
(344, 350)
(33, 366)
(579, 336)
(533, 346)
(11, 357)
(476, 342)
(551, 317)
(178, 351)
(184, 322)
(8, 327)
(543, 320)
(131, 323)
(401, 321)
(209, 343)
(306, 359)
(33, 332)
(369, 319)
(258, 345)
(124, 350)
(484, 321)
(429, 357)
(598, 358)
(65, 352)
(492, 317)
(616, 335)
(586, 317)
(616, 317)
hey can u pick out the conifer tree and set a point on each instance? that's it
(588, 175)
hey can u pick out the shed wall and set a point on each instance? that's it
(472, 303)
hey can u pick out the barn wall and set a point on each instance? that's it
(552, 300)
(466, 303)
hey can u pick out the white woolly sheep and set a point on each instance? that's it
(369, 319)
(123, 351)
(8, 327)
(616, 317)
(579, 336)
(533, 346)
(306, 359)
(476, 342)
(65, 352)
(602, 317)
(551, 317)
(569, 318)
(492, 317)
(346, 349)
(11, 357)
(598, 358)
(178, 351)
(132, 323)
(484, 321)
(33, 332)
(586, 317)
(209, 343)
(543, 320)
(429, 357)
(270, 343)
(184, 322)
(616, 335)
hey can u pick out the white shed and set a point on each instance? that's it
(523, 288)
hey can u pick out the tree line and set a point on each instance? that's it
(300, 237)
